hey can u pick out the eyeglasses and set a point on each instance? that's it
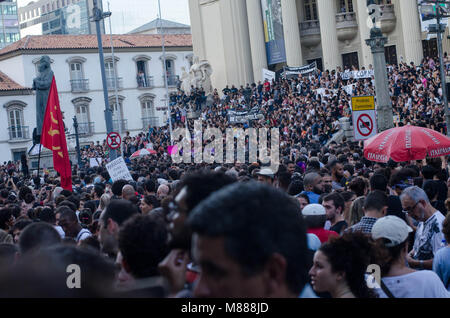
(409, 210)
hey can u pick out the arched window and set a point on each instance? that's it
(149, 118)
(85, 126)
(311, 10)
(77, 80)
(143, 78)
(169, 68)
(111, 73)
(16, 122)
(119, 123)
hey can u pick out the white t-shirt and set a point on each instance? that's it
(60, 231)
(83, 234)
(419, 284)
(429, 237)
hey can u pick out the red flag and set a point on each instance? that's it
(54, 138)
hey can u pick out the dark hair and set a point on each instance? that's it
(358, 186)
(256, 221)
(378, 182)
(47, 215)
(85, 217)
(91, 205)
(99, 190)
(5, 216)
(338, 200)
(117, 187)
(428, 172)
(143, 244)
(119, 210)
(431, 188)
(150, 186)
(351, 254)
(20, 225)
(36, 236)
(69, 204)
(151, 200)
(347, 195)
(295, 187)
(376, 200)
(201, 184)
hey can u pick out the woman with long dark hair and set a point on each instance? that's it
(340, 266)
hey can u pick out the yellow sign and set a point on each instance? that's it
(363, 103)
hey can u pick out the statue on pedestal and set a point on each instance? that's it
(199, 76)
(42, 85)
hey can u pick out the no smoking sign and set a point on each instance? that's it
(113, 140)
(364, 124)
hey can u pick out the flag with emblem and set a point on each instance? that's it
(54, 138)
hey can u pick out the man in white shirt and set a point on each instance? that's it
(429, 234)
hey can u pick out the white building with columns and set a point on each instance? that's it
(230, 34)
(138, 73)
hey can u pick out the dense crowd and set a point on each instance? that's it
(312, 228)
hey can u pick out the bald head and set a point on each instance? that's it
(163, 191)
(127, 191)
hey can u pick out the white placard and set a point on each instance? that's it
(95, 162)
(268, 75)
(118, 170)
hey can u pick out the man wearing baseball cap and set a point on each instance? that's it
(399, 281)
(266, 175)
(315, 217)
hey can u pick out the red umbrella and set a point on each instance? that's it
(143, 152)
(406, 143)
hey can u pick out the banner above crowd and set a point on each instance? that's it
(357, 74)
(241, 117)
(273, 31)
(428, 16)
(295, 71)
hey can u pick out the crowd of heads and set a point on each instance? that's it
(312, 227)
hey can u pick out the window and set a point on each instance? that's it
(149, 119)
(109, 68)
(82, 114)
(76, 72)
(390, 53)
(345, 6)
(148, 109)
(16, 127)
(119, 123)
(310, 10)
(350, 60)
(55, 24)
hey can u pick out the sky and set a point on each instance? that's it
(130, 14)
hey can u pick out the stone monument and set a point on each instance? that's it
(199, 76)
(41, 84)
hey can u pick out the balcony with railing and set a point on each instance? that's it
(120, 125)
(18, 133)
(86, 129)
(150, 122)
(346, 25)
(388, 19)
(310, 32)
(80, 85)
(110, 83)
(172, 80)
(145, 81)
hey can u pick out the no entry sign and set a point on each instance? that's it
(113, 140)
(364, 117)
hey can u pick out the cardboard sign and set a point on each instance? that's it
(95, 162)
(118, 170)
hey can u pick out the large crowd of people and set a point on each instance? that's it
(312, 228)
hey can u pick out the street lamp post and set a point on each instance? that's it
(377, 42)
(99, 15)
(439, 30)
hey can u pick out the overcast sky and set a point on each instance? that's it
(130, 14)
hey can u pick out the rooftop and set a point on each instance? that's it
(166, 24)
(49, 42)
(7, 84)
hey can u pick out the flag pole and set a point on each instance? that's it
(39, 158)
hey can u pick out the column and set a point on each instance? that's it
(412, 40)
(256, 32)
(364, 31)
(291, 33)
(328, 34)
(196, 29)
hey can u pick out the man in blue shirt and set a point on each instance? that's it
(312, 184)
